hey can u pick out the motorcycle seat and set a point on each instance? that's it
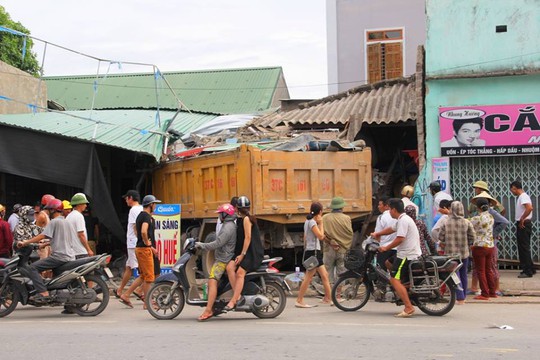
(73, 264)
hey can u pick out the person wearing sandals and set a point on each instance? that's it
(223, 245)
(313, 234)
(482, 250)
(249, 250)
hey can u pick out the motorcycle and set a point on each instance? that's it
(79, 284)
(263, 292)
(432, 281)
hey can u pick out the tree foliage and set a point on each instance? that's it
(11, 46)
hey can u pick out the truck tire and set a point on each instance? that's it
(208, 257)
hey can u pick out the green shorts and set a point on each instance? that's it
(217, 271)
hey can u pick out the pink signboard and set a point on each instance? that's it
(494, 130)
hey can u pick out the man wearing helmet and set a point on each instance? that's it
(13, 219)
(61, 236)
(224, 252)
(42, 217)
(407, 192)
(76, 219)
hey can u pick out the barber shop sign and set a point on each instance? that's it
(493, 130)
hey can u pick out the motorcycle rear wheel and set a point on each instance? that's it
(438, 305)
(278, 300)
(9, 298)
(102, 300)
(350, 293)
(157, 304)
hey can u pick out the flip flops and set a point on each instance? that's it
(404, 314)
(303, 306)
(138, 296)
(127, 303)
(205, 317)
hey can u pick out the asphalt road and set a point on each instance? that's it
(323, 332)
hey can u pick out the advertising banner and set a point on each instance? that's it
(441, 173)
(493, 130)
(167, 222)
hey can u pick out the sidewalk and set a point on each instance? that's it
(515, 290)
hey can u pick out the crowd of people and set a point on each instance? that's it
(65, 231)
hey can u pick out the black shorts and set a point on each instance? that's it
(387, 255)
(400, 269)
(317, 253)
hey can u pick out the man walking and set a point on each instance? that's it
(13, 219)
(338, 231)
(132, 199)
(523, 216)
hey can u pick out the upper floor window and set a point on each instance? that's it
(384, 54)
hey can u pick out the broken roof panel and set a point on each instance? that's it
(385, 102)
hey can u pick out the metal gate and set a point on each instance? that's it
(499, 173)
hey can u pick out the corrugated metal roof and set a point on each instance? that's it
(381, 103)
(133, 130)
(231, 91)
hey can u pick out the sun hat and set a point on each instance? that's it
(481, 185)
(337, 203)
(484, 195)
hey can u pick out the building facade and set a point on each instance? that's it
(370, 41)
(483, 74)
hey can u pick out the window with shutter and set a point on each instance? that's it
(384, 54)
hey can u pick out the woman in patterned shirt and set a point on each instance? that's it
(482, 250)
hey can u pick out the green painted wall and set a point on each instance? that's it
(461, 39)
(461, 36)
(468, 92)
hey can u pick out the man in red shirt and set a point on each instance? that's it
(6, 237)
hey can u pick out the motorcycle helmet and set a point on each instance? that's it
(55, 205)
(149, 199)
(226, 208)
(243, 202)
(407, 191)
(78, 199)
(67, 205)
(46, 198)
(435, 186)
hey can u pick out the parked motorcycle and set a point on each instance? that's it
(432, 281)
(263, 293)
(80, 284)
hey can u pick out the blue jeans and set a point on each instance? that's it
(462, 273)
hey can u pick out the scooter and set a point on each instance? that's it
(263, 293)
(80, 284)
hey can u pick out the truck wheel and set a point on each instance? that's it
(208, 257)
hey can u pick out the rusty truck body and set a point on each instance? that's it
(280, 184)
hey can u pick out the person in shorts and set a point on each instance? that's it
(224, 250)
(407, 244)
(132, 199)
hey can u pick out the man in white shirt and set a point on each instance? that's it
(132, 198)
(438, 195)
(76, 219)
(385, 220)
(13, 219)
(523, 217)
(407, 242)
(407, 192)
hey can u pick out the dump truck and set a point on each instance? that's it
(280, 184)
